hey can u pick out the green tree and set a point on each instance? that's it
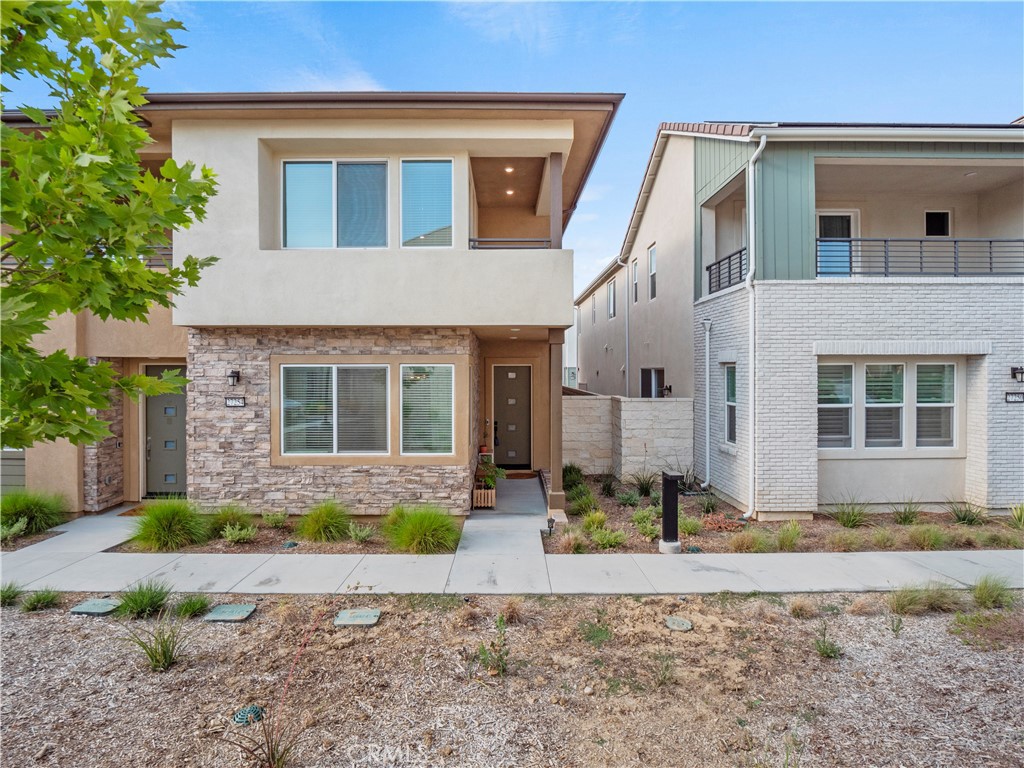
(81, 215)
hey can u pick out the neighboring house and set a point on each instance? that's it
(391, 294)
(864, 314)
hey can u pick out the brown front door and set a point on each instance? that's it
(512, 414)
(165, 439)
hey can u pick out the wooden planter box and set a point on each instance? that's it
(484, 498)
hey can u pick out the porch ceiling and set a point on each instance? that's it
(833, 180)
(493, 181)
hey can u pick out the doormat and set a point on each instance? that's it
(519, 474)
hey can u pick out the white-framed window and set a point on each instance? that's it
(835, 406)
(837, 231)
(883, 405)
(334, 204)
(652, 382)
(636, 281)
(611, 298)
(938, 223)
(652, 272)
(730, 404)
(335, 409)
(428, 410)
(593, 309)
(427, 203)
(936, 405)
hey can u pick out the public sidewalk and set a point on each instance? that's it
(500, 553)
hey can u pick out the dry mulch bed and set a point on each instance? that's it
(27, 541)
(817, 535)
(745, 688)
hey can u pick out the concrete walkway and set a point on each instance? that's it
(500, 553)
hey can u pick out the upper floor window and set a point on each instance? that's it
(611, 299)
(636, 281)
(652, 272)
(427, 203)
(593, 309)
(330, 204)
(936, 224)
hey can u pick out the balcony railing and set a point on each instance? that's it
(727, 271)
(930, 257)
(506, 243)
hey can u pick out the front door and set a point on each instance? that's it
(165, 439)
(835, 247)
(512, 416)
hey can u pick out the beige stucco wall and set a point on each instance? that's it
(999, 212)
(902, 215)
(341, 286)
(601, 344)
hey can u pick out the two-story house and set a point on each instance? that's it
(846, 302)
(391, 296)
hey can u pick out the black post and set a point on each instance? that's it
(670, 507)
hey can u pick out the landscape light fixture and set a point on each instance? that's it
(1017, 372)
(551, 525)
(234, 377)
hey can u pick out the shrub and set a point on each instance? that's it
(495, 657)
(992, 592)
(232, 514)
(644, 481)
(361, 533)
(751, 540)
(571, 475)
(586, 503)
(965, 513)
(513, 610)
(1001, 540)
(844, 541)
(170, 524)
(422, 530)
(609, 486)
(849, 514)
(642, 517)
(9, 593)
(594, 520)
(707, 502)
(927, 537)
(883, 538)
(826, 647)
(41, 600)
(42, 511)
(656, 501)
(865, 605)
(192, 605)
(275, 519)
(911, 601)
(239, 534)
(162, 644)
(577, 492)
(905, 513)
(1016, 519)
(802, 608)
(649, 531)
(571, 542)
(9, 533)
(788, 535)
(326, 521)
(143, 599)
(606, 538)
(690, 526)
(628, 499)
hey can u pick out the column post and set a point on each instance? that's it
(556, 494)
(555, 179)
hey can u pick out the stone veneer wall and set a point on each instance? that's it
(625, 435)
(229, 449)
(103, 462)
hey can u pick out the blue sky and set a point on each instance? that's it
(915, 62)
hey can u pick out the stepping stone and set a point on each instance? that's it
(95, 608)
(363, 617)
(232, 612)
(677, 624)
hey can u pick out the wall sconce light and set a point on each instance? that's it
(234, 377)
(1018, 373)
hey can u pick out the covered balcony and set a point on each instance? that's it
(511, 199)
(723, 228)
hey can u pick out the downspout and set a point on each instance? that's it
(707, 404)
(627, 297)
(752, 326)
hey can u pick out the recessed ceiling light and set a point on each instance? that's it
(515, 330)
(513, 337)
(509, 169)
(971, 173)
(510, 192)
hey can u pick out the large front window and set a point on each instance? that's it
(936, 391)
(342, 204)
(427, 203)
(334, 409)
(428, 409)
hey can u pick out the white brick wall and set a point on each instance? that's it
(794, 316)
(625, 435)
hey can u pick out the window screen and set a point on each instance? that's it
(307, 409)
(308, 219)
(362, 205)
(426, 203)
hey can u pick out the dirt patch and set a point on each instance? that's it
(744, 688)
(27, 541)
(822, 534)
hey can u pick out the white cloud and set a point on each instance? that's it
(344, 78)
(537, 26)
(594, 192)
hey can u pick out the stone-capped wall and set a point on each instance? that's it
(229, 449)
(103, 462)
(625, 435)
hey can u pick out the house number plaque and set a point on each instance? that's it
(234, 402)
(1015, 397)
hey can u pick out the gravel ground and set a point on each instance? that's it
(744, 688)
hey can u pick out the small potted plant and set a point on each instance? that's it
(485, 488)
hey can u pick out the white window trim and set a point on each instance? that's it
(334, 406)
(902, 405)
(924, 222)
(401, 198)
(728, 405)
(853, 213)
(951, 406)
(335, 162)
(401, 407)
(852, 407)
(611, 298)
(652, 271)
(636, 281)
(593, 308)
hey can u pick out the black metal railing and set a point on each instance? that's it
(481, 243)
(928, 257)
(727, 271)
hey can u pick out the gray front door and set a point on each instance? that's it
(512, 416)
(165, 439)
